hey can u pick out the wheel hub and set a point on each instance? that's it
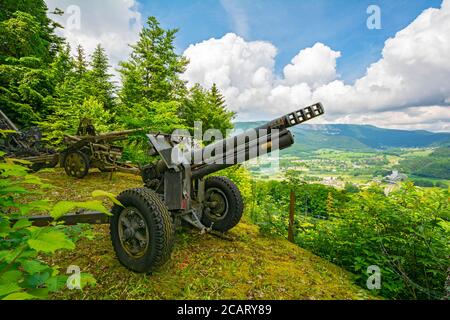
(133, 232)
(216, 204)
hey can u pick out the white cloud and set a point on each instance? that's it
(414, 71)
(432, 118)
(315, 66)
(114, 24)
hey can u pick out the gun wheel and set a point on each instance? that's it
(142, 232)
(223, 204)
(76, 164)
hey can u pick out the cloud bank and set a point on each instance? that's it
(409, 87)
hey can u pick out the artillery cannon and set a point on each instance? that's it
(176, 190)
(87, 149)
(26, 145)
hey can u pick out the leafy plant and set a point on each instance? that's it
(24, 274)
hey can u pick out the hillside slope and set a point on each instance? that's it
(245, 266)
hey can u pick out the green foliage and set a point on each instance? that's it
(153, 116)
(351, 188)
(406, 233)
(23, 273)
(153, 70)
(436, 165)
(66, 119)
(80, 63)
(209, 108)
(99, 78)
(80, 92)
(38, 10)
(272, 199)
(27, 47)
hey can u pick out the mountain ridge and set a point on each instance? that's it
(354, 137)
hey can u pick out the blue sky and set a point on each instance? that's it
(325, 52)
(292, 25)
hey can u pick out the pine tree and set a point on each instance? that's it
(154, 68)
(151, 86)
(207, 107)
(63, 65)
(81, 64)
(220, 116)
(217, 98)
(100, 82)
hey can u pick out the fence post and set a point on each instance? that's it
(291, 217)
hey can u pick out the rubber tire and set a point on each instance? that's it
(235, 204)
(160, 226)
(86, 167)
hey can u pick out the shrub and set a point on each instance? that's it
(23, 273)
(403, 233)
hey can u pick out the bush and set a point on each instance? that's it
(406, 234)
(23, 273)
(403, 233)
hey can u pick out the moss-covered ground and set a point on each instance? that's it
(245, 265)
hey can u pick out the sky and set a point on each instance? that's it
(271, 57)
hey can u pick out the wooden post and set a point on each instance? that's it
(291, 217)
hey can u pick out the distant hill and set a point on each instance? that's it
(356, 137)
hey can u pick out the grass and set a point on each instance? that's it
(246, 265)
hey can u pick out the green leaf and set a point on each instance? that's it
(41, 293)
(33, 266)
(5, 228)
(12, 276)
(64, 207)
(36, 280)
(8, 288)
(19, 296)
(56, 283)
(87, 279)
(21, 224)
(50, 242)
(109, 195)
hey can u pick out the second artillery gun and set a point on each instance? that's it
(87, 149)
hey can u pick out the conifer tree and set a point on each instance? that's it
(81, 64)
(208, 107)
(154, 68)
(100, 80)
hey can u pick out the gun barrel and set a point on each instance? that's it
(241, 153)
(295, 118)
(116, 135)
(252, 143)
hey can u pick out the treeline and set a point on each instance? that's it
(42, 83)
(405, 234)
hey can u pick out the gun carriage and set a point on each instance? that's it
(87, 150)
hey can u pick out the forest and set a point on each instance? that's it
(405, 232)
